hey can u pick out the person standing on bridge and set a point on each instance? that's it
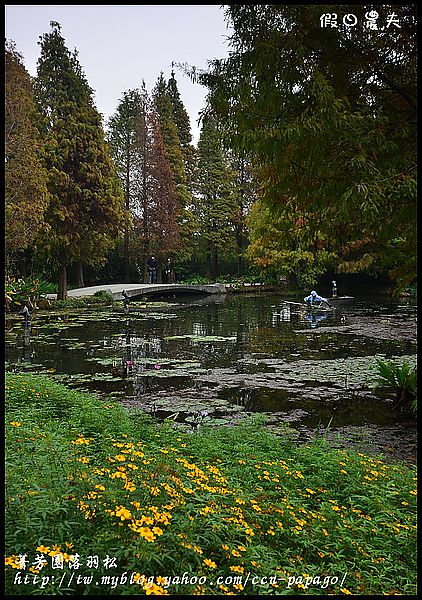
(170, 274)
(152, 265)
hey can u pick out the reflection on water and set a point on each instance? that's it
(166, 350)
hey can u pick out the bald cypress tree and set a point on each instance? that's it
(215, 203)
(172, 147)
(123, 144)
(26, 195)
(138, 151)
(180, 114)
(188, 225)
(174, 127)
(86, 212)
(329, 115)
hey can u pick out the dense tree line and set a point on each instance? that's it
(305, 163)
(327, 114)
(81, 195)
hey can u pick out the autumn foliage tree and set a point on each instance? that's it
(26, 195)
(85, 215)
(138, 150)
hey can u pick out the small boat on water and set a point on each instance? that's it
(337, 301)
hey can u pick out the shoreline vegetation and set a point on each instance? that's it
(103, 298)
(130, 506)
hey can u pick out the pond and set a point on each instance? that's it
(217, 359)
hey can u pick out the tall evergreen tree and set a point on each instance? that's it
(122, 140)
(187, 221)
(215, 205)
(245, 193)
(26, 195)
(86, 212)
(180, 114)
(176, 156)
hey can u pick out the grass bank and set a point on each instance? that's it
(100, 501)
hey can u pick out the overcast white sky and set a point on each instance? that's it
(119, 46)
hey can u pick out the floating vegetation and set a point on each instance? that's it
(179, 371)
(202, 338)
(357, 370)
(87, 377)
(158, 316)
(139, 304)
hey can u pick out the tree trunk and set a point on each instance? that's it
(126, 256)
(214, 263)
(79, 275)
(239, 260)
(62, 293)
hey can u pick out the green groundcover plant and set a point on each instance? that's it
(104, 501)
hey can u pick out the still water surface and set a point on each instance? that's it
(219, 359)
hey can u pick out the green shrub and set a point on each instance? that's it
(24, 291)
(103, 295)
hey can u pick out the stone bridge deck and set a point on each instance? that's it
(136, 290)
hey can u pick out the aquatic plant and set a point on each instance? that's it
(402, 378)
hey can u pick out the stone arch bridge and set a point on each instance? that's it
(138, 290)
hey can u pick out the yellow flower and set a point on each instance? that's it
(147, 534)
(209, 563)
(236, 553)
(15, 423)
(43, 548)
(34, 570)
(154, 589)
(345, 591)
(123, 513)
(237, 568)
(81, 440)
